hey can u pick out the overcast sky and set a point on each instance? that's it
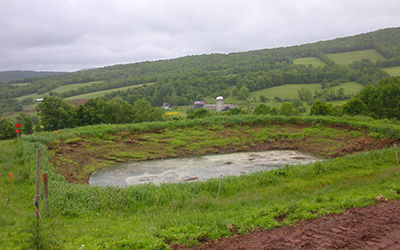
(75, 34)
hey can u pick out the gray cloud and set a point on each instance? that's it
(74, 34)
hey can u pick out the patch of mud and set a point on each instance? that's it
(373, 227)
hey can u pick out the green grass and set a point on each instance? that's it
(20, 84)
(349, 57)
(309, 61)
(34, 96)
(350, 88)
(393, 71)
(285, 92)
(68, 87)
(74, 86)
(16, 210)
(59, 90)
(149, 216)
(104, 92)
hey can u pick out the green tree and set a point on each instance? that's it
(382, 101)
(56, 114)
(199, 113)
(243, 93)
(262, 109)
(304, 94)
(354, 107)
(235, 111)
(319, 108)
(263, 99)
(287, 109)
(143, 111)
(27, 125)
(7, 129)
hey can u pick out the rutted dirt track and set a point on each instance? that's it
(372, 227)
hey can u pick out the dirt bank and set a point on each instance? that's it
(373, 227)
(76, 158)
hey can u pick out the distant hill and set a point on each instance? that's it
(6, 76)
(362, 59)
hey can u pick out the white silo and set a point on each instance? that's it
(220, 104)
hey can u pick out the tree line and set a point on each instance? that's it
(56, 113)
(182, 80)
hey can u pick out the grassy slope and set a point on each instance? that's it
(148, 216)
(16, 209)
(350, 88)
(393, 71)
(352, 56)
(103, 92)
(69, 87)
(287, 91)
(60, 89)
(309, 60)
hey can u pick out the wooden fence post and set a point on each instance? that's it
(36, 199)
(219, 186)
(45, 187)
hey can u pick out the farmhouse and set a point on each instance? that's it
(219, 106)
(166, 105)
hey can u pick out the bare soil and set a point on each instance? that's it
(78, 159)
(373, 227)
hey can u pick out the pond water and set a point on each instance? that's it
(196, 168)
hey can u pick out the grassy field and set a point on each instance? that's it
(69, 87)
(350, 88)
(309, 61)
(16, 209)
(287, 91)
(34, 96)
(152, 217)
(20, 84)
(393, 71)
(103, 92)
(349, 57)
(60, 90)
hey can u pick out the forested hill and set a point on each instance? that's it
(6, 76)
(181, 81)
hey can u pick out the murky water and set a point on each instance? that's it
(196, 168)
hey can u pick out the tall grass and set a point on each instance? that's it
(385, 128)
(151, 216)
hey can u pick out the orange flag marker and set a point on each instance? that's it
(11, 177)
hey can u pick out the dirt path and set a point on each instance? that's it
(372, 227)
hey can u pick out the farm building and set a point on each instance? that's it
(219, 106)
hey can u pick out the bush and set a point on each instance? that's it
(199, 113)
(287, 109)
(355, 107)
(6, 129)
(320, 108)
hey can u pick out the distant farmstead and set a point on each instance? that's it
(219, 106)
(167, 105)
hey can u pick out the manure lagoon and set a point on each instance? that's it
(196, 168)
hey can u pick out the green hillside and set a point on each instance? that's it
(309, 61)
(393, 71)
(103, 92)
(285, 92)
(352, 56)
(183, 80)
(14, 75)
(350, 88)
